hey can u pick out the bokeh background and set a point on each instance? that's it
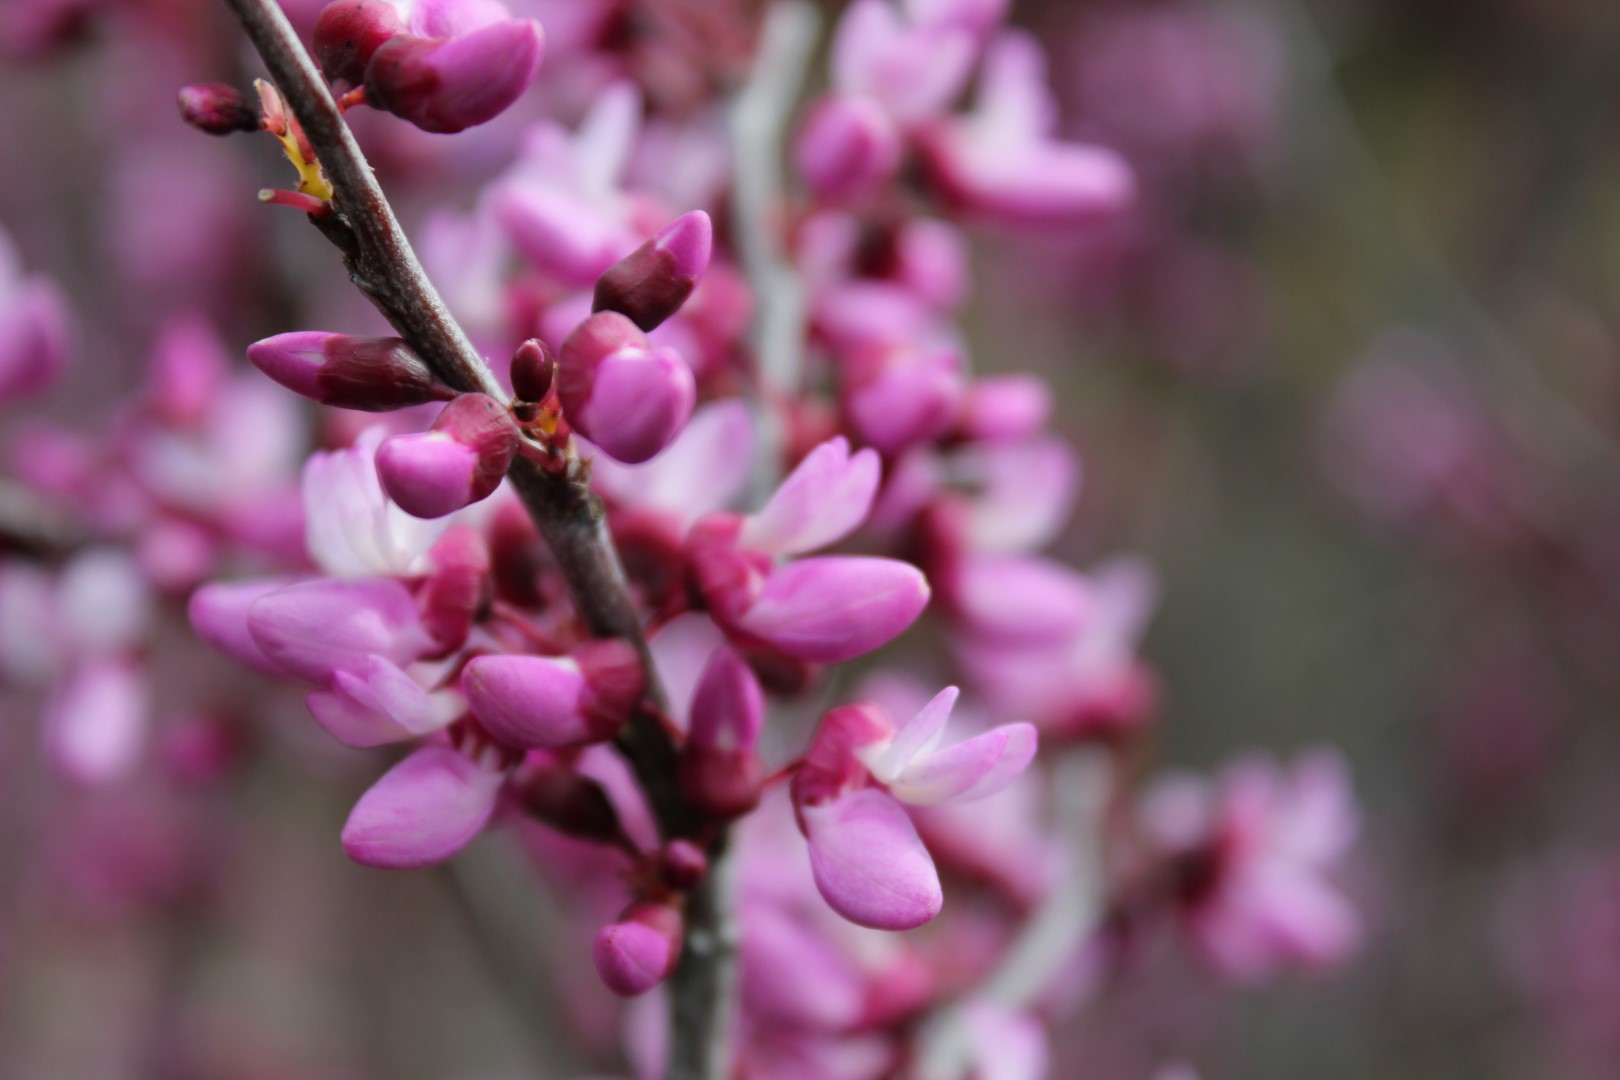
(1349, 376)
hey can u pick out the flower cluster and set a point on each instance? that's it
(649, 594)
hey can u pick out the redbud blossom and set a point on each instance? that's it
(367, 374)
(317, 628)
(847, 148)
(1001, 163)
(627, 397)
(639, 951)
(381, 704)
(460, 460)
(555, 701)
(448, 86)
(423, 810)
(652, 282)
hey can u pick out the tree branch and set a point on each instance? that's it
(382, 264)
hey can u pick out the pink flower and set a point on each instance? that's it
(869, 863)
(1000, 162)
(447, 86)
(562, 204)
(423, 810)
(551, 702)
(824, 609)
(629, 398)
(461, 460)
(1264, 840)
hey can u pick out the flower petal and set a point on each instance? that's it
(422, 811)
(833, 609)
(917, 736)
(317, 628)
(821, 501)
(869, 863)
(973, 769)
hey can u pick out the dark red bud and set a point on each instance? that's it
(533, 370)
(457, 587)
(573, 804)
(683, 864)
(217, 109)
(366, 374)
(653, 281)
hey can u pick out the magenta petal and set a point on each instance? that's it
(821, 502)
(1019, 598)
(448, 86)
(972, 769)
(640, 400)
(317, 628)
(381, 706)
(869, 863)
(727, 706)
(422, 811)
(529, 701)
(219, 614)
(837, 608)
(427, 474)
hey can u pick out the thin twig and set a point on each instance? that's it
(382, 265)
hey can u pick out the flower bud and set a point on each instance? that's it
(459, 461)
(349, 32)
(217, 109)
(848, 147)
(628, 398)
(719, 771)
(448, 86)
(533, 370)
(570, 802)
(367, 374)
(639, 951)
(555, 701)
(457, 587)
(683, 864)
(653, 281)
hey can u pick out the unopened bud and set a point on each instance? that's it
(628, 398)
(652, 282)
(570, 802)
(457, 462)
(217, 109)
(448, 86)
(348, 34)
(533, 370)
(719, 771)
(551, 702)
(367, 374)
(683, 863)
(639, 951)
